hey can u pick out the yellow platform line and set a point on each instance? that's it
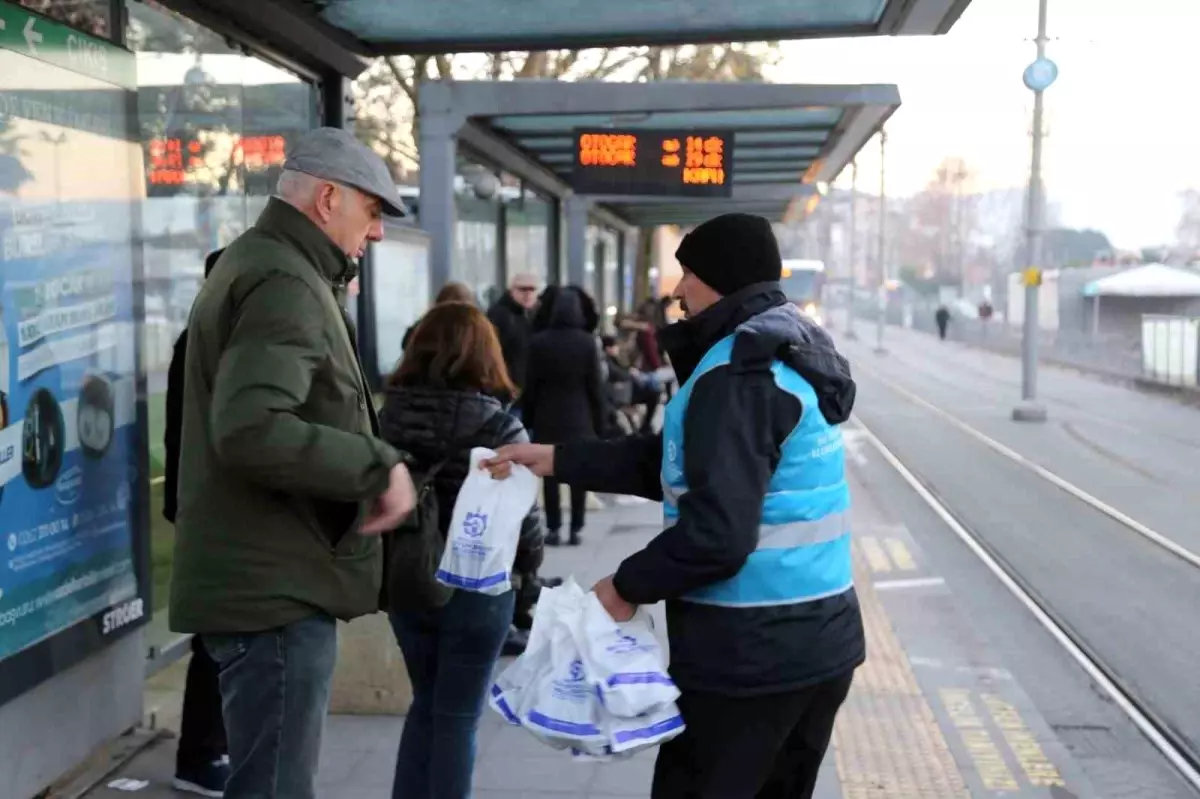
(900, 555)
(985, 755)
(887, 742)
(1037, 767)
(876, 557)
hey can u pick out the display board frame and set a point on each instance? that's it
(653, 162)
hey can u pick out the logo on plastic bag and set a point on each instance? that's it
(573, 686)
(627, 645)
(475, 524)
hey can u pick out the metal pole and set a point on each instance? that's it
(850, 332)
(1030, 410)
(883, 270)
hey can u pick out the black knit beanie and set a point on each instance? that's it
(730, 252)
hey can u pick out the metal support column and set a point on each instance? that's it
(438, 215)
(852, 248)
(883, 269)
(576, 208)
(622, 270)
(1030, 410)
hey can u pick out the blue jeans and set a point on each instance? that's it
(450, 654)
(274, 695)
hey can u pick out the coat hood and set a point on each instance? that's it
(785, 333)
(567, 313)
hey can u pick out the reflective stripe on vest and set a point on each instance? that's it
(803, 550)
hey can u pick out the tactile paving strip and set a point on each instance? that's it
(887, 742)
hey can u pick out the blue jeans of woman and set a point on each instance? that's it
(450, 654)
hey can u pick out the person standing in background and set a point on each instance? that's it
(942, 317)
(510, 316)
(564, 394)
(201, 759)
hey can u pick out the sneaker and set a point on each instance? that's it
(515, 643)
(206, 780)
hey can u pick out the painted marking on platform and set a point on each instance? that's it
(915, 582)
(989, 672)
(900, 555)
(1037, 767)
(877, 559)
(988, 760)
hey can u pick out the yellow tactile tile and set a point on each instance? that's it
(887, 741)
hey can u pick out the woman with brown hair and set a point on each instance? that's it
(446, 391)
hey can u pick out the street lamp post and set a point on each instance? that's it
(1038, 77)
(883, 270)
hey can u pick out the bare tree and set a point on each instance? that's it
(943, 220)
(386, 94)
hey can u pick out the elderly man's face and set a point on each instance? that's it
(351, 217)
(524, 291)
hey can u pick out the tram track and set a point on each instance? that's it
(1173, 744)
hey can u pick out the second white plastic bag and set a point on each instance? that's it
(625, 660)
(586, 683)
(485, 529)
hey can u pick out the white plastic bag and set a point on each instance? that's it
(582, 678)
(625, 660)
(485, 529)
(626, 735)
(513, 690)
(563, 712)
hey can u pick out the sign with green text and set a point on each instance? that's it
(35, 36)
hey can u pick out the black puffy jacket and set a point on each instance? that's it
(423, 422)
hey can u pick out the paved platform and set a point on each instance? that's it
(930, 715)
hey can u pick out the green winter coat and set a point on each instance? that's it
(279, 459)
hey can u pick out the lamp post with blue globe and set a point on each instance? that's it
(1038, 77)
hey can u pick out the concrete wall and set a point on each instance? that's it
(53, 728)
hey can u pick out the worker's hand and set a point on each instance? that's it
(618, 608)
(393, 505)
(537, 458)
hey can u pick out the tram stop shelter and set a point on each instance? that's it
(643, 154)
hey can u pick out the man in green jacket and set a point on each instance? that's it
(283, 483)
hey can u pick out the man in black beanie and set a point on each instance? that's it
(754, 559)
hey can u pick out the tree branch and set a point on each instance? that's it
(409, 85)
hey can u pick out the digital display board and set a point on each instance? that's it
(175, 162)
(668, 163)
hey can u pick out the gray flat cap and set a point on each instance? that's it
(334, 154)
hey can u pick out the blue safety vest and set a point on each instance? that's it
(803, 549)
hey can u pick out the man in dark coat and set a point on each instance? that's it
(510, 315)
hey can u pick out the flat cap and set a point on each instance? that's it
(334, 154)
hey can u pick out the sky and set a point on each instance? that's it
(1123, 127)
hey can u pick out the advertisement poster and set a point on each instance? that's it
(69, 444)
